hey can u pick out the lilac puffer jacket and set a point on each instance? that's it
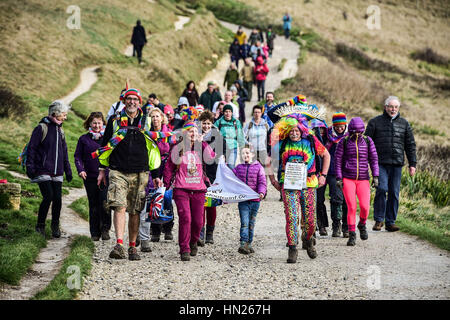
(353, 162)
(253, 175)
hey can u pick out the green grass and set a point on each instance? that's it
(281, 65)
(19, 243)
(426, 129)
(67, 284)
(81, 207)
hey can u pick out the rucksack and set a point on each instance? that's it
(366, 138)
(22, 158)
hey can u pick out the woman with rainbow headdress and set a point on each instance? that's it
(298, 144)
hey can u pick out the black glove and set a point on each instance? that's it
(339, 183)
(69, 178)
(375, 182)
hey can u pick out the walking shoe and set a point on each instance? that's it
(95, 238)
(145, 246)
(105, 235)
(41, 230)
(118, 252)
(132, 254)
(250, 248)
(363, 232)
(336, 231)
(345, 234)
(392, 228)
(209, 234)
(352, 238)
(323, 231)
(168, 235)
(377, 226)
(292, 254)
(200, 243)
(243, 248)
(310, 249)
(56, 232)
(155, 238)
(185, 256)
(194, 249)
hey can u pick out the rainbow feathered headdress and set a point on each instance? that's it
(189, 113)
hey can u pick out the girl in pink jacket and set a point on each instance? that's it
(184, 171)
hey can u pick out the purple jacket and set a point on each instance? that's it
(83, 160)
(253, 175)
(353, 162)
(49, 157)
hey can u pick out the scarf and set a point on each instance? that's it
(122, 132)
(54, 120)
(97, 135)
(334, 137)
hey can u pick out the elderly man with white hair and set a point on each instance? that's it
(393, 137)
(46, 163)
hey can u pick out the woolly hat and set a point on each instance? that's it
(134, 92)
(316, 123)
(189, 113)
(168, 109)
(183, 100)
(188, 125)
(227, 107)
(200, 108)
(339, 118)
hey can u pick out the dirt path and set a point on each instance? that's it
(88, 77)
(386, 266)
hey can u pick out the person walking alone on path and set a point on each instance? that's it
(88, 169)
(353, 156)
(287, 21)
(261, 71)
(252, 173)
(47, 161)
(393, 137)
(185, 172)
(138, 39)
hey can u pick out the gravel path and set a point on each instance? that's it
(386, 266)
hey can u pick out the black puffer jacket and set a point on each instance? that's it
(392, 137)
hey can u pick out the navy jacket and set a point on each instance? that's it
(49, 157)
(83, 159)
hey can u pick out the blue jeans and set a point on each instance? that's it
(248, 211)
(231, 158)
(388, 182)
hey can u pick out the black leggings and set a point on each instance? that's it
(99, 217)
(51, 193)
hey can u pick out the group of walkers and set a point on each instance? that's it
(142, 146)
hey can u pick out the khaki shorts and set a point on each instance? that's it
(127, 190)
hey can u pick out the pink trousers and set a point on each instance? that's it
(353, 189)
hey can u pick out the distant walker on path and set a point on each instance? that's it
(138, 40)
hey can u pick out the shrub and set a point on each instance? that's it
(11, 104)
(430, 56)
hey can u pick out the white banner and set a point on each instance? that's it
(228, 188)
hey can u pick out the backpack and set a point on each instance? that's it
(22, 158)
(366, 138)
(250, 125)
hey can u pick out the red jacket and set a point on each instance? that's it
(261, 69)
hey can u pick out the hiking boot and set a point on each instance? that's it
(95, 238)
(41, 230)
(392, 228)
(118, 252)
(145, 246)
(194, 249)
(132, 254)
(168, 235)
(292, 254)
(155, 237)
(56, 232)
(336, 231)
(310, 249)
(323, 231)
(200, 243)
(345, 234)
(250, 248)
(185, 256)
(209, 234)
(243, 248)
(377, 226)
(363, 232)
(105, 235)
(352, 238)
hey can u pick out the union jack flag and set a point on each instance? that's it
(155, 205)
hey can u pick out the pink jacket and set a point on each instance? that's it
(261, 69)
(188, 169)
